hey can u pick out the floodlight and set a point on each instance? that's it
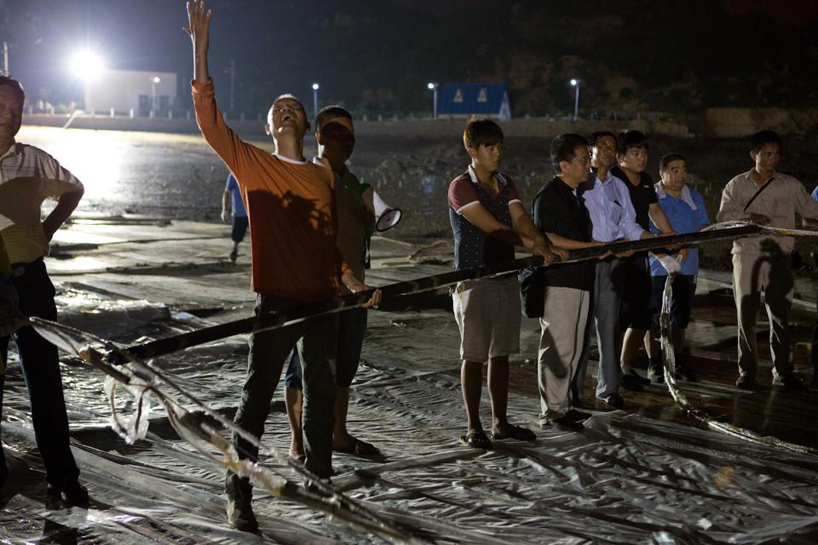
(87, 64)
(574, 82)
(314, 86)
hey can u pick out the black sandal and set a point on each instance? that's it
(476, 439)
(518, 433)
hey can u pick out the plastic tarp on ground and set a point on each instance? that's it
(624, 479)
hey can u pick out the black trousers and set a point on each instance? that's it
(41, 371)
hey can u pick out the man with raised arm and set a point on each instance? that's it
(295, 260)
(762, 264)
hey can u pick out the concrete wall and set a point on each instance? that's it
(534, 128)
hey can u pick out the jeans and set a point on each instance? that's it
(316, 340)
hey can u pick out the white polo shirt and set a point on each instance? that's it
(28, 176)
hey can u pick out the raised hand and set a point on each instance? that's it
(199, 31)
(198, 28)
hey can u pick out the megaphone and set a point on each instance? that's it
(386, 217)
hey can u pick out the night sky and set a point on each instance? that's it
(377, 55)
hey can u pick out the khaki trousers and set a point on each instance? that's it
(563, 335)
(754, 274)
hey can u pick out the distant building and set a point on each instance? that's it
(126, 90)
(467, 99)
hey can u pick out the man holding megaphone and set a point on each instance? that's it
(359, 212)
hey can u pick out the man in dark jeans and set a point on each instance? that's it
(27, 177)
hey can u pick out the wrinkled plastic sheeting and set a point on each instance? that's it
(624, 479)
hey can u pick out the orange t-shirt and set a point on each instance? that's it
(290, 206)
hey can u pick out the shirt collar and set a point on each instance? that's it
(749, 175)
(288, 160)
(687, 197)
(13, 150)
(475, 180)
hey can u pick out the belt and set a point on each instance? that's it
(20, 269)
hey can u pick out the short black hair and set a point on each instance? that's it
(669, 158)
(330, 112)
(481, 131)
(595, 136)
(767, 136)
(630, 139)
(564, 148)
(15, 85)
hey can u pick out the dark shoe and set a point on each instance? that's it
(637, 377)
(476, 439)
(615, 401)
(578, 416)
(686, 374)
(73, 493)
(656, 375)
(790, 382)
(516, 432)
(564, 423)
(630, 382)
(234, 254)
(746, 383)
(240, 516)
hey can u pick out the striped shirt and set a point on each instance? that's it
(28, 176)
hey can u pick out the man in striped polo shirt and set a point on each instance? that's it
(488, 220)
(27, 177)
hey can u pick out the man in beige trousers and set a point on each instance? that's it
(761, 264)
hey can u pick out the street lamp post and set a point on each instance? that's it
(315, 100)
(432, 86)
(575, 83)
(154, 81)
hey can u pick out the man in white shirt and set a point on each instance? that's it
(27, 177)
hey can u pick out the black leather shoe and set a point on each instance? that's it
(564, 423)
(615, 401)
(637, 377)
(630, 383)
(577, 416)
(746, 383)
(790, 382)
(73, 493)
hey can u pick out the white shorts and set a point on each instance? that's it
(489, 315)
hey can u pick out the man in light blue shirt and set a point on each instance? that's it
(613, 218)
(684, 208)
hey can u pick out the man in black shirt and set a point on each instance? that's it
(632, 156)
(560, 214)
